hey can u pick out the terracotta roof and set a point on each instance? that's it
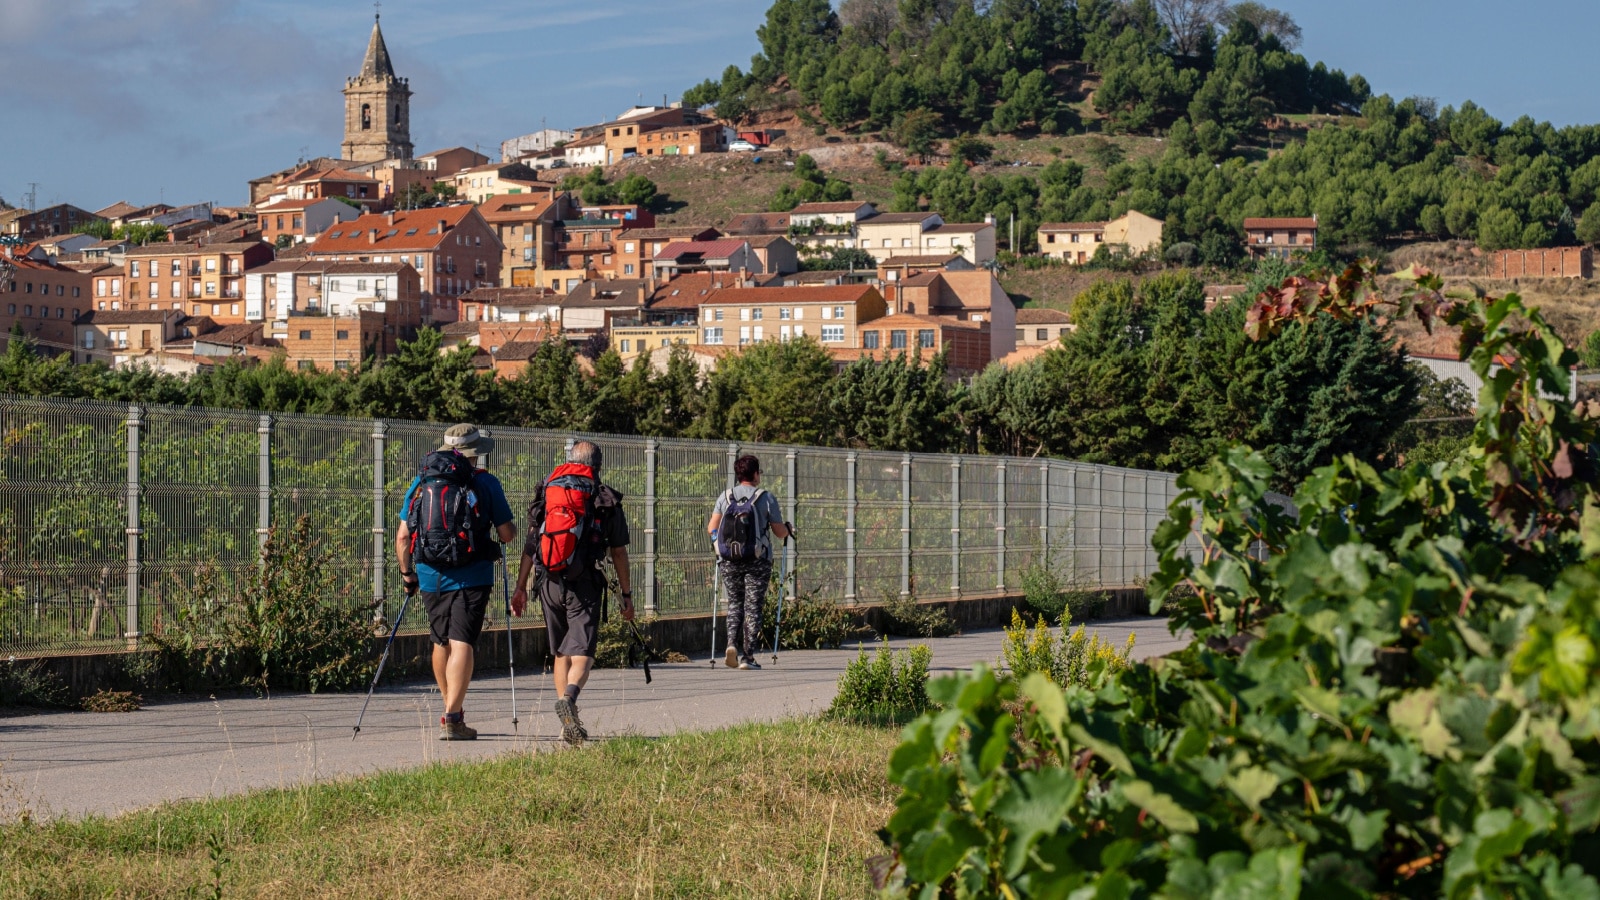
(290, 203)
(843, 206)
(722, 249)
(515, 207)
(1073, 226)
(117, 210)
(459, 329)
(921, 279)
(689, 291)
(444, 151)
(938, 259)
(334, 175)
(248, 333)
(765, 240)
(353, 237)
(590, 141)
(1270, 223)
(518, 350)
(329, 267)
(898, 218)
(124, 317)
(1023, 355)
(1038, 315)
(838, 293)
(512, 296)
(965, 227)
(913, 320)
(758, 223)
(633, 292)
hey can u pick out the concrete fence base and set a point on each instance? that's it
(87, 673)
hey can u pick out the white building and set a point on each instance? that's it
(537, 142)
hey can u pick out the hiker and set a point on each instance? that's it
(739, 528)
(451, 514)
(573, 521)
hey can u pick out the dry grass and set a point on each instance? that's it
(711, 189)
(747, 812)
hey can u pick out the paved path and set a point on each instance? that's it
(73, 763)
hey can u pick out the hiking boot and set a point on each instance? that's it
(572, 730)
(749, 664)
(456, 731)
(731, 658)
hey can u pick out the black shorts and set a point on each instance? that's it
(571, 615)
(456, 615)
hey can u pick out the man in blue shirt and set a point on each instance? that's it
(457, 598)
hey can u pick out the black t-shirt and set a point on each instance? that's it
(608, 512)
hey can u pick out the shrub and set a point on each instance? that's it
(810, 622)
(886, 687)
(106, 700)
(1392, 690)
(903, 616)
(289, 629)
(1060, 597)
(24, 683)
(1078, 659)
(616, 648)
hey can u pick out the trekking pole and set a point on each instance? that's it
(511, 655)
(789, 567)
(381, 660)
(714, 587)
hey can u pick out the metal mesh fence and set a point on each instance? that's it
(108, 512)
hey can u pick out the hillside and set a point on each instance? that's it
(1215, 116)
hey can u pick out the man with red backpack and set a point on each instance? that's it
(739, 527)
(446, 547)
(573, 521)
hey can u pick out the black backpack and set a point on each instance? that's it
(449, 523)
(739, 532)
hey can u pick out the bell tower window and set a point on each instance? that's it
(366, 117)
(397, 114)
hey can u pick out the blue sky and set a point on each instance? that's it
(186, 100)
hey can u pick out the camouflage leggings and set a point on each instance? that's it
(746, 584)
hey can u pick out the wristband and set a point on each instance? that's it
(408, 574)
(627, 593)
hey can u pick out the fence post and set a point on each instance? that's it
(264, 482)
(1044, 514)
(905, 525)
(133, 531)
(380, 516)
(850, 529)
(1000, 529)
(791, 467)
(733, 457)
(650, 526)
(955, 527)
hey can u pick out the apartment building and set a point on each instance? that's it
(831, 315)
(452, 247)
(479, 183)
(194, 278)
(972, 296)
(287, 288)
(332, 343)
(43, 299)
(529, 227)
(817, 228)
(637, 247)
(966, 345)
(589, 245)
(924, 234)
(63, 218)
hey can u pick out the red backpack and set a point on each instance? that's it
(568, 517)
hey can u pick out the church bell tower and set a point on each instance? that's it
(377, 108)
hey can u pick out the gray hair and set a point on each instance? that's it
(585, 453)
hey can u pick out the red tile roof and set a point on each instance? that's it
(1073, 226)
(898, 218)
(689, 291)
(704, 249)
(838, 293)
(758, 223)
(1268, 224)
(823, 208)
(354, 237)
(1038, 315)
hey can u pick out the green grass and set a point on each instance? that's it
(782, 810)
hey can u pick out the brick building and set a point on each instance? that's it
(44, 299)
(1550, 262)
(637, 247)
(194, 278)
(1280, 237)
(832, 315)
(529, 227)
(63, 218)
(452, 247)
(966, 344)
(103, 336)
(300, 220)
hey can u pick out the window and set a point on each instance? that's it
(1043, 334)
(28, 310)
(925, 338)
(897, 340)
(627, 269)
(305, 335)
(305, 365)
(61, 313)
(799, 313)
(785, 313)
(11, 310)
(627, 346)
(28, 288)
(757, 334)
(341, 335)
(838, 312)
(744, 334)
(713, 336)
(1022, 335)
(627, 246)
(905, 242)
(887, 243)
(718, 315)
(342, 364)
(133, 269)
(177, 267)
(75, 292)
(234, 309)
(708, 315)
(832, 334)
(211, 289)
(99, 287)
(755, 315)
(869, 340)
(177, 291)
(88, 340)
(827, 312)
(216, 309)
(295, 220)
(211, 265)
(118, 339)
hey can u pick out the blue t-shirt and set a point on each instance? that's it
(478, 574)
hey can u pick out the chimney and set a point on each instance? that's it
(372, 236)
(443, 225)
(391, 218)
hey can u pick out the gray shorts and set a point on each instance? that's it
(571, 615)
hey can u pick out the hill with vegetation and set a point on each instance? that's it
(1246, 126)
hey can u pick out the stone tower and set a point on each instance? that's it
(377, 108)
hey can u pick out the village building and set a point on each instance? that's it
(529, 227)
(1547, 262)
(296, 221)
(591, 306)
(970, 296)
(193, 278)
(43, 299)
(103, 336)
(511, 304)
(451, 247)
(831, 315)
(1281, 237)
(1041, 327)
(1076, 242)
(63, 218)
(925, 233)
(479, 183)
(637, 247)
(966, 345)
(726, 255)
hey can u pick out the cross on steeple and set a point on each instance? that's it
(377, 10)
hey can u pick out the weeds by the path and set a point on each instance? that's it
(744, 812)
